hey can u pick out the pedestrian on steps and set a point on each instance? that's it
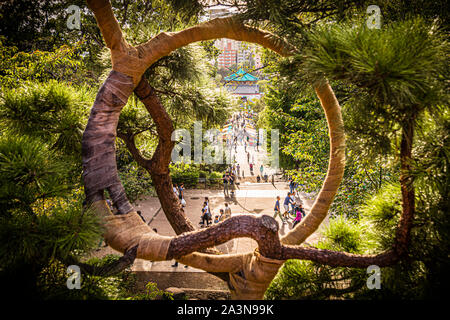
(225, 179)
(277, 211)
(286, 203)
(227, 211)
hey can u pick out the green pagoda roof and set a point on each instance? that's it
(241, 75)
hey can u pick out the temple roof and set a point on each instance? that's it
(241, 75)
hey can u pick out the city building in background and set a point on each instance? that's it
(237, 56)
(229, 52)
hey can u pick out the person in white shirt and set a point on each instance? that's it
(227, 211)
(175, 190)
(292, 201)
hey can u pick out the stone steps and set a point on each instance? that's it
(199, 294)
(194, 281)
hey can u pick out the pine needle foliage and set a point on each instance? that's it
(28, 174)
(51, 111)
(401, 66)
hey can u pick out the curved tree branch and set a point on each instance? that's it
(109, 269)
(158, 166)
(335, 172)
(107, 22)
(249, 273)
(98, 143)
(131, 146)
(126, 231)
(263, 229)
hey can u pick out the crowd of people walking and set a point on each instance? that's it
(206, 216)
(292, 204)
(292, 210)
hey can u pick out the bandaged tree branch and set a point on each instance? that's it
(263, 229)
(126, 231)
(158, 166)
(249, 273)
(335, 172)
(109, 269)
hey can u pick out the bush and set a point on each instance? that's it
(215, 178)
(189, 178)
(52, 282)
(152, 293)
(309, 280)
(136, 182)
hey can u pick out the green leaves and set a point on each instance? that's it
(399, 66)
(28, 173)
(304, 142)
(52, 111)
(63, 64)
(37, 239)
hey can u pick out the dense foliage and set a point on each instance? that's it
(385, 80)
(49, 75)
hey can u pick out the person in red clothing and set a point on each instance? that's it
(299, 213)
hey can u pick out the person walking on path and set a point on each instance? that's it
(227, 212)
(286, 203)
(238, 169)
(232, 184)
(302, 210)
(298, 217)
(225, 184)
(300, 213)
(291, 185)
(181, 191)
(277, 211)
(220, 217)
(293, 202)
(248, 157)
(206, 215)
(261, 169)
(181, 195)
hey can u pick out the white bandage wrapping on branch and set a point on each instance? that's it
(258, 271)
(127, 230)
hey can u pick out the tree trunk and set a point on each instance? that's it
(98, 144)
(407, 189)
(158, 166)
